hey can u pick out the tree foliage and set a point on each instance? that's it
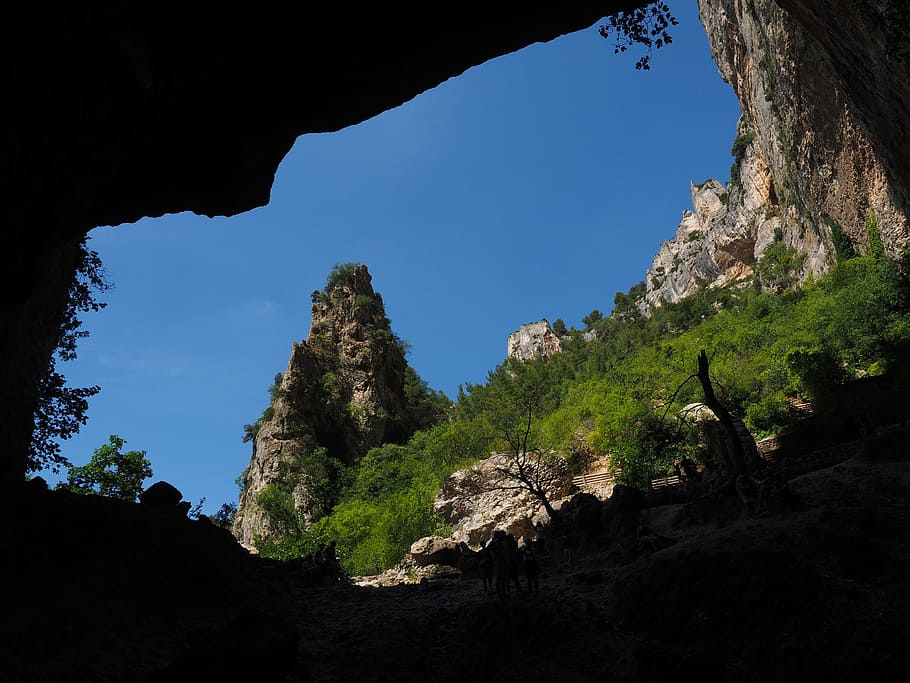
(645, 27)
(779, 267)
(110, 472)
(61, 410)
(224, 517)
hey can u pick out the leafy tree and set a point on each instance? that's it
(625, 305)
(225, 515)
(559, 327)
(425, 406)
(515, 401)
(592, 318)
(61, 410)
(875, 245)
(340, 271)
(779, 267)
(276, 499)
(843, 245)
(645, 27)
(110, 472)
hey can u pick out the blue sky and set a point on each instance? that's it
(536, 185)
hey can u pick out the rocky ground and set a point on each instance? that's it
(814, 591)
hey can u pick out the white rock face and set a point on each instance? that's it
(479, 499)
(806, 161)
(533, 340)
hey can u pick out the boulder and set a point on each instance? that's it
(481, 498)
(435, 574)
(582, 513)
(435, 550)
(620, 512)
(163, 496)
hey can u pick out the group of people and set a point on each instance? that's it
(758, 491)
(321, 566)
(501, 563)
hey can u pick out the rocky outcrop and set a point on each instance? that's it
(813, 158)
(435, 550)
(342, 393)
(533, 340)
(481, 498)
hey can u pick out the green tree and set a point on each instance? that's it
(340, 271)
(61, 410)
(110, 472)
(516, 400)
(225, 515)
(592, 318)
(875, 245)
(625, 305)
(779, 267)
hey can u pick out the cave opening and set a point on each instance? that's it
(560, 158)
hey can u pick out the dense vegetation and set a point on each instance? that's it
(61, 409)
(623, 392)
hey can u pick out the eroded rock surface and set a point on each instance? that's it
(813, 156)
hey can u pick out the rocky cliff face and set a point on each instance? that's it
(533, 340)
(343, 391)
(812, 158)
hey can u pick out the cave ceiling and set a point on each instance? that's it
(121, 110)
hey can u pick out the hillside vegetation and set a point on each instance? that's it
(622, 394)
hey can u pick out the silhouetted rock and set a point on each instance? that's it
(619, 514)
(435, 550)
(582, 514)
(436, 574)
(162, 496)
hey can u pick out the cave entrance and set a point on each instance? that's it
(535, 185)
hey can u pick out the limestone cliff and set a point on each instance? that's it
(533, 340)
(807, 165)
(343, 392)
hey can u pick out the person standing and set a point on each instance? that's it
(540, 538)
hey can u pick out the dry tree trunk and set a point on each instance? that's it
(743, 453)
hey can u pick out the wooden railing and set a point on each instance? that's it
(665, 482)
(595, 479)
(605, 478)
